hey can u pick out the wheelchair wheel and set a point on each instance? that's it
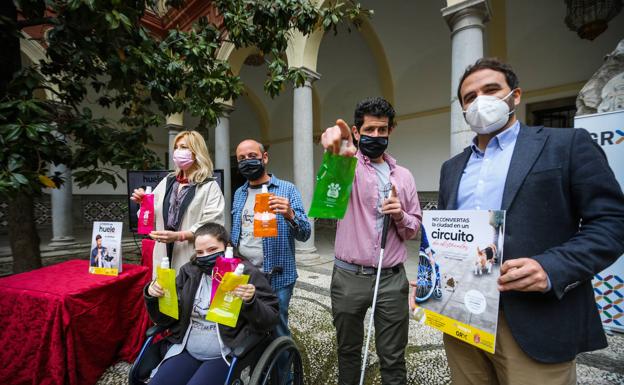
(426, 279)
(266, 372)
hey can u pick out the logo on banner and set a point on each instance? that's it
(604, 138)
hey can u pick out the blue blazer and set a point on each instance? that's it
(566, 210)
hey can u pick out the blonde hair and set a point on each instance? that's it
(203, 167)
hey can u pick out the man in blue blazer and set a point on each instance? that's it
(564, 223)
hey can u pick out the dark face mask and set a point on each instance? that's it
(373, 146)
(251, 169)
(207, 262)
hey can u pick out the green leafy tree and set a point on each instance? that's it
(102, 46)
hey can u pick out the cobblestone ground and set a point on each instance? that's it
(311, 323)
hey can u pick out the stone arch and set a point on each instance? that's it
(236, 57)
(303, 51)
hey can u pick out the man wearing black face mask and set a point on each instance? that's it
(292, 223)
(357, 245)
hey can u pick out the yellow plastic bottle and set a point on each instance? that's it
(166, 278)
(225, 306)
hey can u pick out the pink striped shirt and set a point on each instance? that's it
(357, 240)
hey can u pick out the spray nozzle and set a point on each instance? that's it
(229, 252)
(164, 262)
(148, 189)
(239, 269)
(265, 189)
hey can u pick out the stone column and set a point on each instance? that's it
(303, 146)
(61, 200)
(173, 124)
(466, 20)
(222, 158)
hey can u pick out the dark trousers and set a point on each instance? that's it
(183, 369)
(351, 296)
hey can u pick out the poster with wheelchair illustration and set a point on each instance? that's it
(105, 253)
(460, 257)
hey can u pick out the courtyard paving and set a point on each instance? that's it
(311, 323)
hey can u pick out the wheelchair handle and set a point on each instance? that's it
(156, 329)
(276, 270)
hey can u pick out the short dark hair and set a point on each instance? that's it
(98, 237)
(491, 63)
(215, 230)
(374, 106)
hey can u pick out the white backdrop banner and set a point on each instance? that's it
(607, 129)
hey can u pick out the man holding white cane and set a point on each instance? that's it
(358, 245)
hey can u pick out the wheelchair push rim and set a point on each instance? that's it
(266, 371)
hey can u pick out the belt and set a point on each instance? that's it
(365, 270)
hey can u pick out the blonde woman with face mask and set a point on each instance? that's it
(184, 201)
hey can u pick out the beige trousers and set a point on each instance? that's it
(508, 366)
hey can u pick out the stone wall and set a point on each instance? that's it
(86, 210)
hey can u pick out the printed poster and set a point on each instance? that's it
(105, 254)
(457, 291)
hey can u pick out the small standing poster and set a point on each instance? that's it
(457, 291)
(105, 253)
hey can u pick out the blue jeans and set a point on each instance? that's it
(281, 329)
(283, 296)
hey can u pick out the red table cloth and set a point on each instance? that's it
(62, 325)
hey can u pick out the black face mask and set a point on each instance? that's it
(251, 169)
(207, 262)
(373, 146)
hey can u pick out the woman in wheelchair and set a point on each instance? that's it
(199, 348)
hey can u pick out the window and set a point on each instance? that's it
(553, 113)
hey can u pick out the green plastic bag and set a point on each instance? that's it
(333, 186)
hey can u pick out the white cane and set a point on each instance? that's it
(384, 233)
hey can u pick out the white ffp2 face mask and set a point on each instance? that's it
(488, 113)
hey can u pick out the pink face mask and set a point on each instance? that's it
(183, 158)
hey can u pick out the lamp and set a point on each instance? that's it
(589, 18)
